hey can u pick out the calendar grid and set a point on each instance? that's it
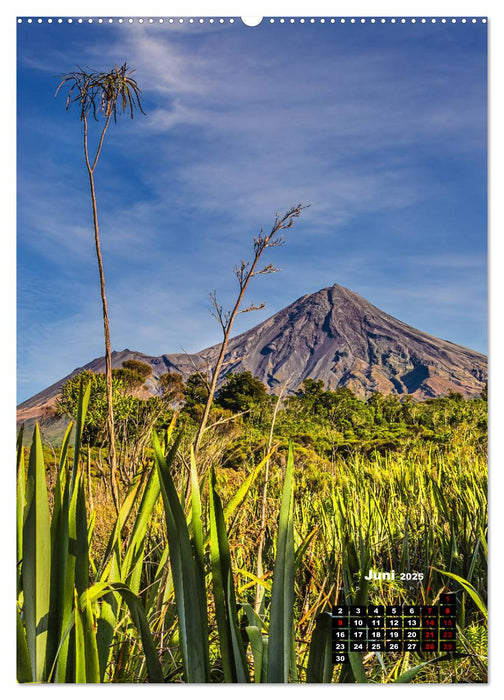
(394, 628)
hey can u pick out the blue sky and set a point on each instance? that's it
(381, 129)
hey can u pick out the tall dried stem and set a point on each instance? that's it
(244, 273)
(102, 93)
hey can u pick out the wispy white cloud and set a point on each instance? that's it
(271, 133)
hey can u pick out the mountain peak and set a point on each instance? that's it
(338, 336)
(334, 335)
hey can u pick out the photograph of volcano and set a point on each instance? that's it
(252, 336)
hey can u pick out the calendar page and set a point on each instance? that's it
(252, 371)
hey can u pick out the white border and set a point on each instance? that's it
(146, 9)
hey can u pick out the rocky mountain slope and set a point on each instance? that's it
(334, 335)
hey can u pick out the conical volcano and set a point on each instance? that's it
(334, 335)
(339, 337)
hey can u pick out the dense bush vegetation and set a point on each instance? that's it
(322, 423)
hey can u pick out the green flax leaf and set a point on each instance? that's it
(320, 668)
(188, 583)
(23, 664)
(282, 595)
(232, 652)
(36, 569)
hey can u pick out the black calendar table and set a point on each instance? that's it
(394, 628)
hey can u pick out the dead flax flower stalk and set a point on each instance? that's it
(244, 273)
(102, 93)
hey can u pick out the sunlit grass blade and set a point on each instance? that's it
(188, 584)
(196, 522)
(80, 646)
(76, 572)
(87, 669)
(301, 550)
(65, 579)
(408, 675)
(20, 503)
(235, 501)
(259, 649)
(92, 659)
(282, 595)
(23, 665)
(170, 430)
(69, 537)
(19, 445)
(59, 549)
(474, 558)
(470, 590)
(197, 532)
(110, 567)
(90, 531)
(36, 568)
(105, 630)
(59, 559)
(133, 558)
(64, 447)
(234, 661)
(81, 540)
(84, 394)
(152, 598)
